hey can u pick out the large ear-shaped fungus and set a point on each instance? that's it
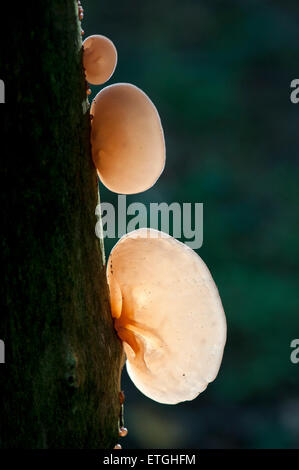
(127, 139)
(168, 313)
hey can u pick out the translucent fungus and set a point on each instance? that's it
(123, 432)
(127, 139)
(99, 59)
(168, 313)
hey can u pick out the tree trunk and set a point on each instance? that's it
(60, 382)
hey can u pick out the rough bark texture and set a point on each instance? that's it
(60, 383)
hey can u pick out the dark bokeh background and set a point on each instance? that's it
(219, 73)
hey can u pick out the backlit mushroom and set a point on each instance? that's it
(127, 139)
(99, 59)
(168, 313)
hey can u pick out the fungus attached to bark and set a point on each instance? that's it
(168, 313)
(99, 59)
(127, 139)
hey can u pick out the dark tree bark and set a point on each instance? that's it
(59, 386)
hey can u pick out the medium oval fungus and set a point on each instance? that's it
(127, 139)
(99, 59)
(168, 313)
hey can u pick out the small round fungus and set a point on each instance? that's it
(127, 139)
(99, 59)
(168, 313)
(123, 432)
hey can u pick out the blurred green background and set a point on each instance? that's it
(219, 73)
